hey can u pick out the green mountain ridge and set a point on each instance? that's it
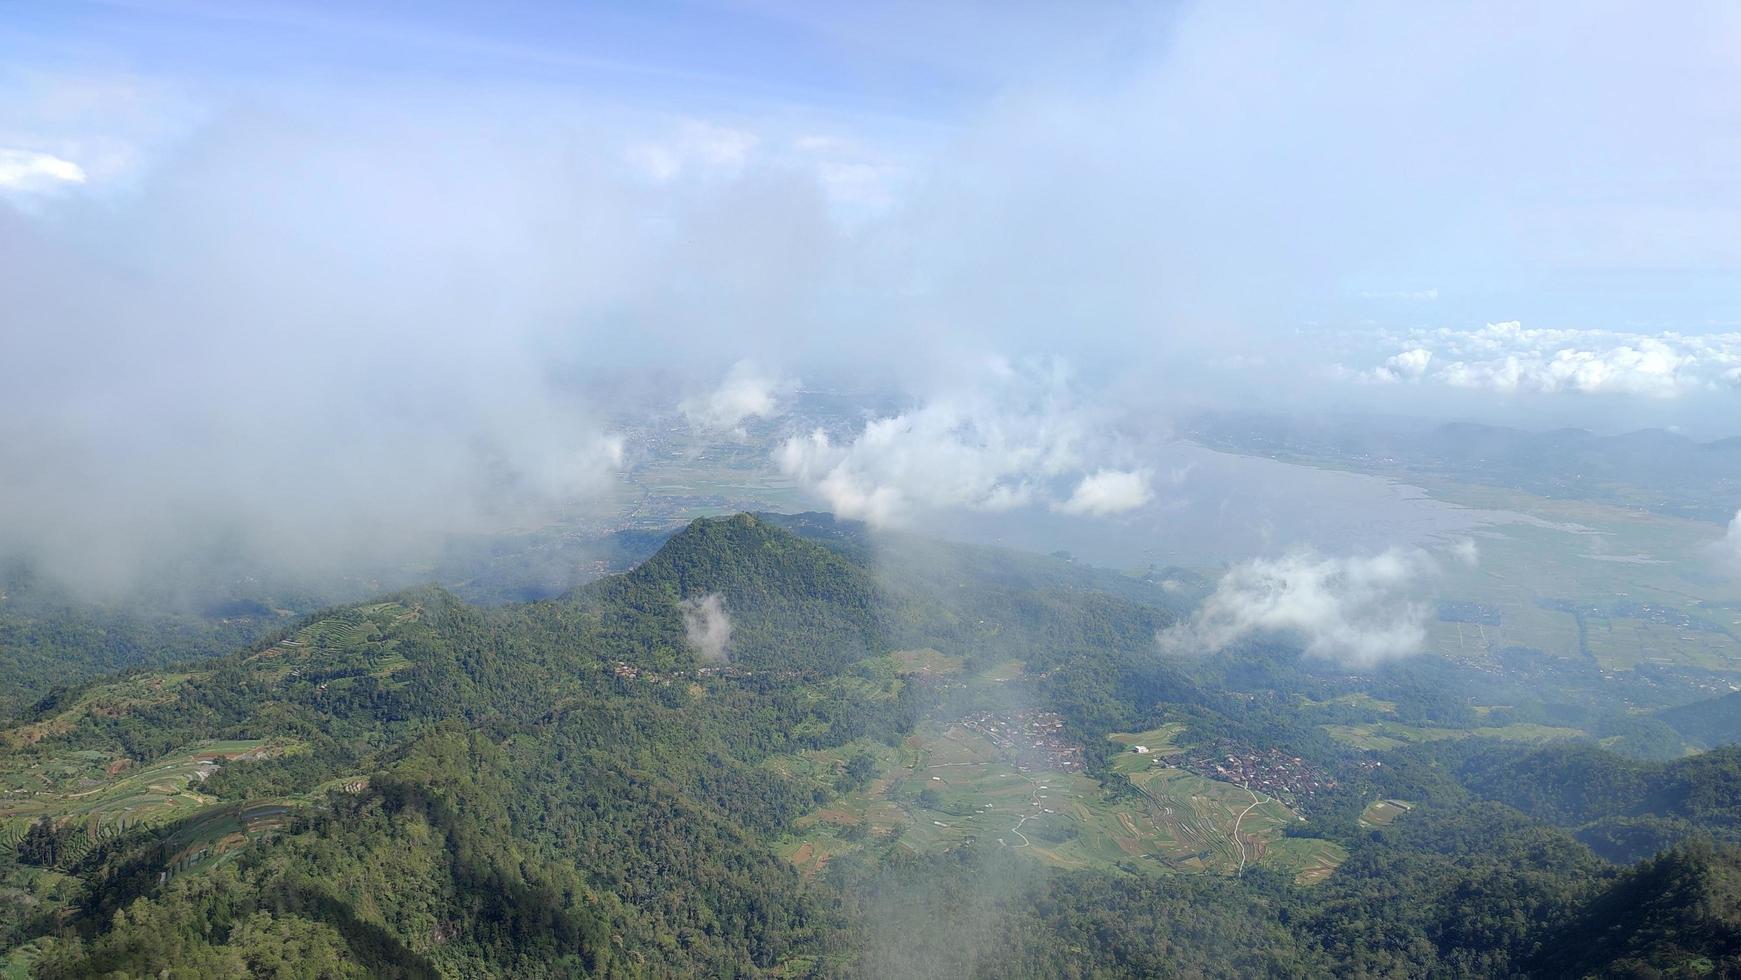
(416, 786)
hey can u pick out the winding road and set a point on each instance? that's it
(1237, 820)
(1033, 800)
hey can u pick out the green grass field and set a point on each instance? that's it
(1381, 813)
(925, 662)
(1159, 741)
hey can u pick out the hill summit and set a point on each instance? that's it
(787, 603)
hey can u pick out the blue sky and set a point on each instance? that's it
(1597, 134)
(902, 62)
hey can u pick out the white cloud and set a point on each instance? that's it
(707, 627)
(1007, 445)
(1108, 491)
(1466, 551)
(1410, 365)
(1509, 357)
(696, 148)
(1725, 554)
(395, 418)
(747, 392)
(28, 170)
(1357, 610)
(941, 455)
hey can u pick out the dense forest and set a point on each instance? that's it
(418, 786)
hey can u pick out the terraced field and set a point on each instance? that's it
(360, 634)
(97, 796)
(947, 786)
(108, 797)
(220, 832)
(340, 641)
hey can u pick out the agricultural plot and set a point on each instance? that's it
(1620, 643)
(1358, 701)
(1158, 741)
(690, 478)
(1634, 575)
(356, 636)
(107, 797)
(1003, 673)
(947, 786)
(1379, 736)
(1528, 733)
(925, 663)
(1381, 813)
(1204, 824)
(219, 833)
(333, 648)
(1143, 748)
(115, 698)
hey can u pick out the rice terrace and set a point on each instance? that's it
(948, 786)
(107, 797)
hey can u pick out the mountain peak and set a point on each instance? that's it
(787, 602)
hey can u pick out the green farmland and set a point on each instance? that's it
(947, 786)
(106, 796)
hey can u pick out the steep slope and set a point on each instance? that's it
(419, 787)
(1623, 809)
(1676, 915)
(50, 640)
(423, 785)
(791, 604)
(1707, 723)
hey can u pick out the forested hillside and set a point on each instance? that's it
(416, 786)
(1708, 723)
(49, 639)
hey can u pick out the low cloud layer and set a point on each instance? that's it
(285, 354)
(1466, 551)
(1356, 610)
(1017, 440)
(748, 392)
(1510, 358)
(1107, 491)
(291, 320)
(707, 627)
